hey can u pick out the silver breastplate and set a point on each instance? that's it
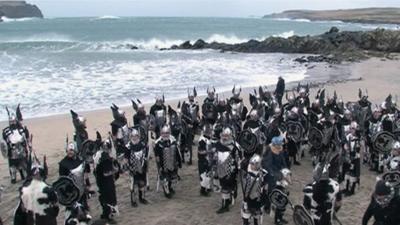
(252, 186)
(137, 161)
(225, 164)
(169, 158)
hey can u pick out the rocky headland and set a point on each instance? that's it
(333, 46)
(18, 9)
(362, 15)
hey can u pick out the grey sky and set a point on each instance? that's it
(221, 8)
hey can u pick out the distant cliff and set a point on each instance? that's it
(364, 15)
(18, 9)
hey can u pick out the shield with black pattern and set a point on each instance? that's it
(301, 216)
(315, 137)
(67, 191)
(294, 130)
(248, 141)
(279, 199)
(393, 178)
(382, 142)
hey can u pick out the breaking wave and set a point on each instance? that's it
(8, 20)
(295, 20)
(108, 17)
(53, 42)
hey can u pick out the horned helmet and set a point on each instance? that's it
(192, 95)
(211, 93)
(236, 92)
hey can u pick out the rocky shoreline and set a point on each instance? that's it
(333, 46)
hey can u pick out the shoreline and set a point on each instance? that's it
(379, 76)
(313, 75)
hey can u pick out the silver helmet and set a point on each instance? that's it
(165, 132)
(254, 115)
(135, 136)
(211, 93)
(255, 162)
(71, 146)
(235, 92)
(226, 136)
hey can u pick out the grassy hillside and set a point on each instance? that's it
(366, 15)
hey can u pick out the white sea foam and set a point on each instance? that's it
(108, 17)
(41, 37)
(295, 20)
(8, 20)
(45, 87)
(286, 34)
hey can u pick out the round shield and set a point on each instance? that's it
(315, 137)
(393, 178)
(279, 199)
(67, 191)
(248, 141)
(383, 141)
(294, 130)
(301, 216)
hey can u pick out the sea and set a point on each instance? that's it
(52, 65)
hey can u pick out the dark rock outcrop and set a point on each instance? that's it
(334, 46)
(19, 9)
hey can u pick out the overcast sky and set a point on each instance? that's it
(221, 8)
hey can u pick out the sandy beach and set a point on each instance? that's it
(379, 76)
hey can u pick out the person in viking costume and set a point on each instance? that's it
(80, 134)
(140, 118)
(293, 142)
(210, 96)
(136, 161)
(159, 112)
(168, 161)
(15, 146)
(384, 206)
(256, 126)
(119, 129)
(373, 125)
(345, 122)
(205, 157)
(38, 202)
(227, 155)
(107, 172)
(72, 166)
(279, 90)
(352, 165)
(303, 100)
(274, 162)
(322, 197)
(209, 108)
(255, 189)
(191, 110)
